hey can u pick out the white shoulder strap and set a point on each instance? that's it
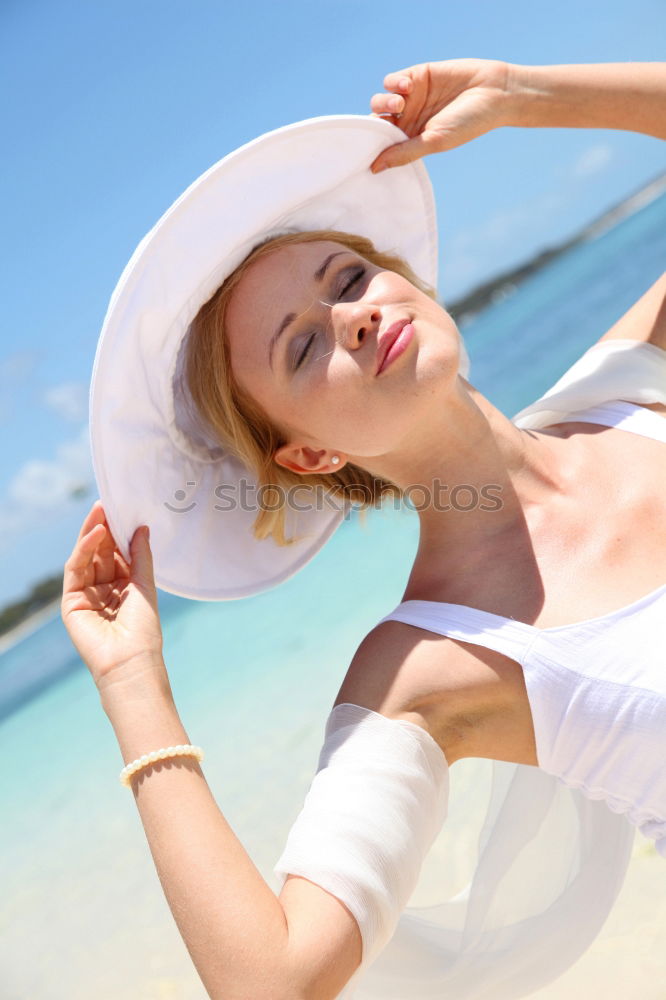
(626, 417)
(457, 621)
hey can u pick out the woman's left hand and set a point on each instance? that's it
(441, 105)
(109, 607)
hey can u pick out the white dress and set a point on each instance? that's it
(556, 840)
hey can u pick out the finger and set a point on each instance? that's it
(104, 560)
(387, 104)
(79, 569)
(141, 570)
(94, 516)
(399, 82)
(122, 567)
(103, 569)
(394, 119)
(406, 152)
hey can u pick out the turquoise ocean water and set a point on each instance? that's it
(82, 913)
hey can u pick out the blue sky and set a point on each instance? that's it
(112, 108)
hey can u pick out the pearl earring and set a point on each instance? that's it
(335, 459)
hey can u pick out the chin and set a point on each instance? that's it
(438, 363)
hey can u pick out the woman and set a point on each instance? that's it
(330, 360)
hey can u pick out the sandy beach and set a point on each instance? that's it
(628, 959)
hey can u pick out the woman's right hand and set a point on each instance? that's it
(109, 607)
(441, 105)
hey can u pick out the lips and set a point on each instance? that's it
(386, 340)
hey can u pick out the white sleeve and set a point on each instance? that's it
(549, 864)
(374, 807)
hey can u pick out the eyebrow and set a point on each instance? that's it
(290, 317)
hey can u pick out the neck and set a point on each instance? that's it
(477, 480)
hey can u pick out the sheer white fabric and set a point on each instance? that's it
(549, 862)
(550, 865)
(372, 812)
(612, 369)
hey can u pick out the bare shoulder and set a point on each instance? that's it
(445, 686)
(645, 321)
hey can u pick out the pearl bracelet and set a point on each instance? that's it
(186, 749)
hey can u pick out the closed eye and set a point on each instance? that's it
(302, 356)
(348, 283)
(355, 277)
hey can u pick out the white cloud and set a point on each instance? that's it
(69, 400)
(593, 161)
(46, 487)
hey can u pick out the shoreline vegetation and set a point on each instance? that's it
(505, 283)
(21, 617)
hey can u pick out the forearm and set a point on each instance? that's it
(626, 96)
(232, 923)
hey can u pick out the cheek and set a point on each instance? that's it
(328, 412)
(352, 419)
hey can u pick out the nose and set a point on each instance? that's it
(354, 322)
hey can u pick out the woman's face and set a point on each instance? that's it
(307, 331)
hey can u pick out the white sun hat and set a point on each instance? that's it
(154, 462)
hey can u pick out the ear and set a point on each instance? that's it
(306, 461)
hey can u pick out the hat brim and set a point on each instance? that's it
(150, 465)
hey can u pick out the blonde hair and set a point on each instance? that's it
(241, 424)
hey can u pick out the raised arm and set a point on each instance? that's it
(243, 940)
(442, 105)
(630, 97)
